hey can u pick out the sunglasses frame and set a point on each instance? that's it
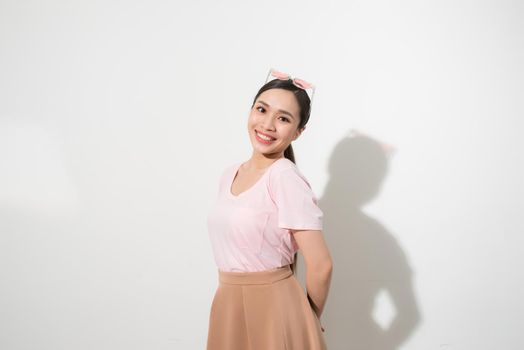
(294, 80)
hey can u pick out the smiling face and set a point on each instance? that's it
(275, 115)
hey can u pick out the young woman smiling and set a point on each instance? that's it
(264, 213)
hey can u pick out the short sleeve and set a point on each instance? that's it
(295, 200)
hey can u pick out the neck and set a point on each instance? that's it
(259, 161)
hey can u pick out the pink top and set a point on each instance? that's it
(250, 232)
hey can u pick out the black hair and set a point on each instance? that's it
(303, 101)
(304, 104)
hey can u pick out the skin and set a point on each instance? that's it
(267, 116)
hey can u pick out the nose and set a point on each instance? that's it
(268, 123)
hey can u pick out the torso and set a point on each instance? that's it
(243, 223)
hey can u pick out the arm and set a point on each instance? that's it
(319, 266)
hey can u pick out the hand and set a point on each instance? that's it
(321, 326)
(311, 304)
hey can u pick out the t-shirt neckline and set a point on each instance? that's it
(235, 171)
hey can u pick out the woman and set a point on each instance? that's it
(266, 211)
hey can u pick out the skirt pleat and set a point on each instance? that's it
(264, 310)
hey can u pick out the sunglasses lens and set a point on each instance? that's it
(279, 75)
(302, 84)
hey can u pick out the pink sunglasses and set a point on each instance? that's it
(296, 81)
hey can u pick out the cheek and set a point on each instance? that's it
(253, 119)
(289, 131)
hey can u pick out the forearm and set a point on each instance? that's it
(318, 281)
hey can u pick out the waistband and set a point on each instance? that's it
(256, 277)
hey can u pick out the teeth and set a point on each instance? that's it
(264, 137)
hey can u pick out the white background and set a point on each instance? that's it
(117, 117)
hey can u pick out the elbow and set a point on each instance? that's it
(328, 267)
(324, 268)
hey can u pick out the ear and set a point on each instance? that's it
(299, 132)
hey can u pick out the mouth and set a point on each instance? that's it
(263, 138)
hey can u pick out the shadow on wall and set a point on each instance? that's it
(368, 260)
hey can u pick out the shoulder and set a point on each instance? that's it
(283, 164)
(229, 167)
(284, 170)
(227, 170)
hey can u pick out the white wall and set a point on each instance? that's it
(116, 118)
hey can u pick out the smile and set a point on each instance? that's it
(263, 138)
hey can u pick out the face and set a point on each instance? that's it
(275, 115)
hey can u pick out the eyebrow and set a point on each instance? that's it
(280, 110)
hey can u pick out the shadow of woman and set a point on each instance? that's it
(367, 258)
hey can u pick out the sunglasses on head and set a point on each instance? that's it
(300, 83)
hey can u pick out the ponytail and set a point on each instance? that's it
(289, 154)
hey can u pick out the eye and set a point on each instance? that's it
(259, 109)
(286, 119)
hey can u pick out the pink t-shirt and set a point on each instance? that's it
(250, 232)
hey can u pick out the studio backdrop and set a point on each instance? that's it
(118, 117)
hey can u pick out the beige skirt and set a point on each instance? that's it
(265, 310)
